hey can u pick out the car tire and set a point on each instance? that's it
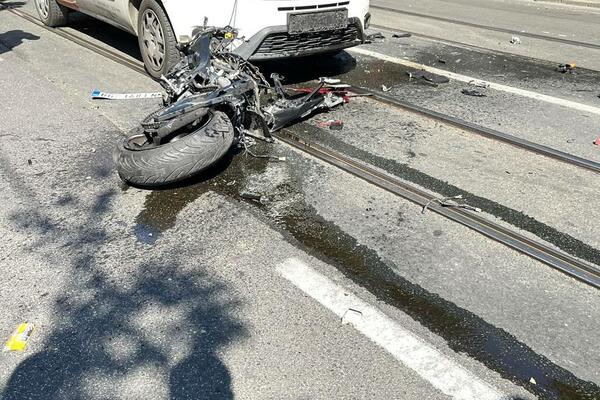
(156, 38)
(176, 160)
(51, 13)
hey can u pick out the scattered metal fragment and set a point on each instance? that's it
(18, 340)
(428, 76)
(515, 40)
(251, 196)
(474, 93)
(449, 202)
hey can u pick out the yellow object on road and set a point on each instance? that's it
(18, 340)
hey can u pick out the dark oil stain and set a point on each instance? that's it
(516, 218)
(368, 72)
(300, 223)
(464, 331)
(161, 207)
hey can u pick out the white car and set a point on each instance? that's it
(267, 29)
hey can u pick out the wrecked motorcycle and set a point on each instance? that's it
(213, 100)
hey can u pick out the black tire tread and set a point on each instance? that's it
(173, 162)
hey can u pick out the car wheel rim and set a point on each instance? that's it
(43, 7)
(153, 39)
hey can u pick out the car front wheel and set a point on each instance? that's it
(156, 39)
(51, 13)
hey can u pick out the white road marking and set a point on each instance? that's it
(443, 373)
(492, 85)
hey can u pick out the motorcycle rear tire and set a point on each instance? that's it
(176, 160)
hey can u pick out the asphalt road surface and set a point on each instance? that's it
(294, 279)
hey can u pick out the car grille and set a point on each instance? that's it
(285, 44)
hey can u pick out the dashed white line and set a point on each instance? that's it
(440, 371)
(464, 78)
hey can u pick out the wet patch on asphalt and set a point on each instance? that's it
(273, 192)
(513, 217)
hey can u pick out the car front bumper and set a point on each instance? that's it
(275, 42)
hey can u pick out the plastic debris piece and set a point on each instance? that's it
(377, 36)
(333, 124)
(563, 68)
(480, 84)
(402, 35)
(515, 40)
(449, 202)
(532, 380)
(99, 95)
(597, 141)
(385, 88)
(351, 316)
(428, 76)
(474, 93)
(18, 340)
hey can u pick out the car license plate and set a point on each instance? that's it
(318, 21)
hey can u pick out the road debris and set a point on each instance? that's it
(449, 202)
(481, 84)
(18, 340)
(515, 40)
(385, 88)
(351, 316)
(333, 124)
(251, 196)
(99, 95)
(402, 35)
(441, 61)
(376, 37)
(597, 141)
(474, 93)
(532, 381)
(428, 76)
(564, 68)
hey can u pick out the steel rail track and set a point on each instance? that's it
(489, 28)
(578, 269)
(481, 130)
(114, 56)
(572, 266)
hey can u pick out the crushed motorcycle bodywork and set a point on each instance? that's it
(212, 94)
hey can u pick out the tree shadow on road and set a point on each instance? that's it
(149, 328)
(11, 39)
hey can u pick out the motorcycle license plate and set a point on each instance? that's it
(318, 21)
